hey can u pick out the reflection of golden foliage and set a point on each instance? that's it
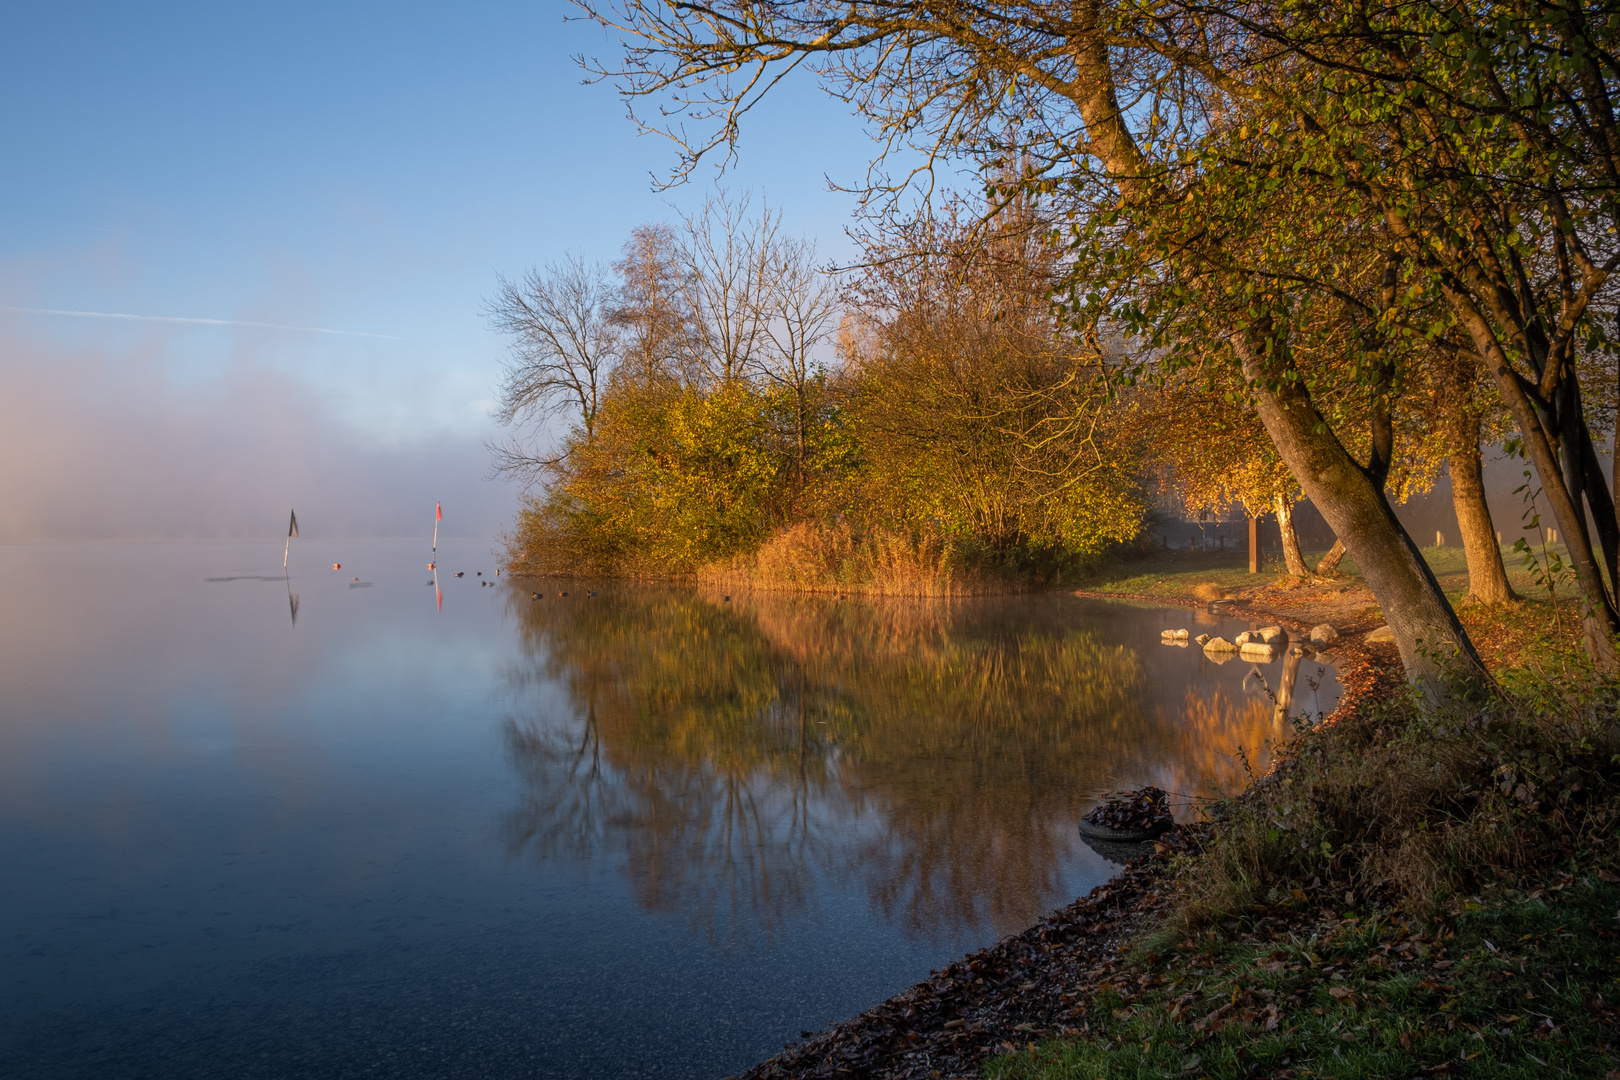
(939, 751)
(1220, 731)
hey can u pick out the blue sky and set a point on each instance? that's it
(356, 167)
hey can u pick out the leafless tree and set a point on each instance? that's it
(801, 306)
(566, 343)
(725, 297)
(724, 255)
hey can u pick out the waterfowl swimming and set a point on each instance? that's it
(461, 573)
(534, 596)
(337, 566)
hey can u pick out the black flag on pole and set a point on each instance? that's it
(292, 529)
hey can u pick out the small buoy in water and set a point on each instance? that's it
(337, 566)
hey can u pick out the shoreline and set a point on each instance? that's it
(1044, 981)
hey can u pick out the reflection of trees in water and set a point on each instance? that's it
(1226, 736)
(734, 850)
(684, 756)
(937, 753)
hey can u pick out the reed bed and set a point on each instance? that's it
(810, 558)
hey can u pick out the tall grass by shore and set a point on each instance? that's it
(809, 558)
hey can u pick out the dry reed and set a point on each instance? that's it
(816, 559)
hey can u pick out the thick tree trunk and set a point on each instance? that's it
(1330, 562)
(1487, 577)
(1434, 647)
(1284, 506)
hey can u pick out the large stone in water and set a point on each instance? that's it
(1220, 645)
(1273, 635)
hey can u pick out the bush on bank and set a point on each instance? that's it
(728, 483)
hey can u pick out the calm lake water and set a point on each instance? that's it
(318, 827)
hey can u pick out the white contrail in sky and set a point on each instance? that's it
(195, 322)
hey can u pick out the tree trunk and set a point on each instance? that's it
(1284, 506)
(1433, 645)
(1601, 622)
(1487, 577)
(1330, 562)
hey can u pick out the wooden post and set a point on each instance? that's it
(1254, 545)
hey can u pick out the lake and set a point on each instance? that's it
(353, 823)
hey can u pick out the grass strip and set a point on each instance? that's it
(1522, 985)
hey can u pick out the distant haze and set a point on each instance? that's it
(102, 442)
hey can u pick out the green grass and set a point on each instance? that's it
(1177, 571)
(1523, 986)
